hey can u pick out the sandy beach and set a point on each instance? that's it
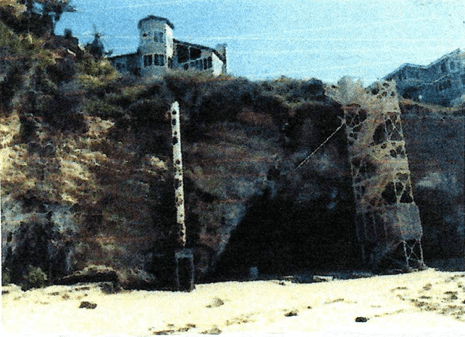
(408, 302)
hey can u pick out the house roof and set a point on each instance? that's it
(213, 50)
(416, 66)
(157, 18)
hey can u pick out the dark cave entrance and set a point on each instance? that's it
(281, 236)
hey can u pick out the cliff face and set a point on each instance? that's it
(435, 139)
(86, 170)
(86, 162)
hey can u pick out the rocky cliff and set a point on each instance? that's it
(435, 138)
(86, 178)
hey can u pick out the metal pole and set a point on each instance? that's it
(178, 176)
(184, 259)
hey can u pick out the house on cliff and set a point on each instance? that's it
(159, 51)
(442, 82)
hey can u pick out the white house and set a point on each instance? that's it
(158, 51)
(441, 82)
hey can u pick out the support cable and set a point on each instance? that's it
(321, 145)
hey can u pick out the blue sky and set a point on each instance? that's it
(325, 39)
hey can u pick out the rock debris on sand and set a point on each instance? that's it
(426, 299)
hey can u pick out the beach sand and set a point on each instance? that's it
(407, 302)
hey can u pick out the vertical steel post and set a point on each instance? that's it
(184, 259)
(178, 175)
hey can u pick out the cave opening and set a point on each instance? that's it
(281, 236)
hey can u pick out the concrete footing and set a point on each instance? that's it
(185, 271)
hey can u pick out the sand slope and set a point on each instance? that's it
(408, 302)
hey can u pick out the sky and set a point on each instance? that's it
(303, 39)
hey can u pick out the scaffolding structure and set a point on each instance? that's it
(387, 218)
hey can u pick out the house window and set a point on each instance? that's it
(158, 37)
(195, 53)
(159, 59)
(183, 54)
(148, 60)
(135, 71)
(210, 62)
(444, 85)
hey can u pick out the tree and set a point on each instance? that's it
(96, 47)
(52, 9)
(56, 8)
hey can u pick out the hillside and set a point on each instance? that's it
(86, 169)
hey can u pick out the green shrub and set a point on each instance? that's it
(5, 277)
(36, 278)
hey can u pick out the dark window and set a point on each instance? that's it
(205, 64)
(210, 62)
(159, 59)
(158, 37)
(121, 67)
(147, 60)
(183, 53)
(195, 53)
(445, 85)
